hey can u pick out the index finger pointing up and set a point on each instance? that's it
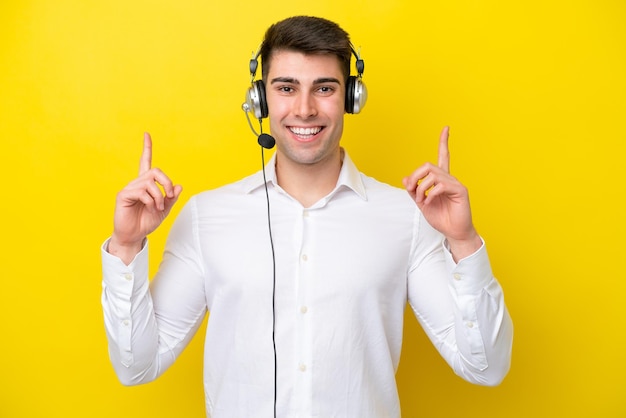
(444, 151)
(146, 156)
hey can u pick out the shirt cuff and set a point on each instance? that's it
(472, 273)
(121, 277)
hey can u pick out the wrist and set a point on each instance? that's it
(461, 248)
(125, 251)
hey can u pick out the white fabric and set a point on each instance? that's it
(345, 269)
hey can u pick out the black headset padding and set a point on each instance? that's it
(349, 102)
(259, 85)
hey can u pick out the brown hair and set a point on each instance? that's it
(309, 35)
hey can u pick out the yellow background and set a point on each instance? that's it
(534, 92)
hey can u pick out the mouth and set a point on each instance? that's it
(305, 133)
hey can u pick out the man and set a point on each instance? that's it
(309, 323)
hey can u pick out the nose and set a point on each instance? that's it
(305, 106)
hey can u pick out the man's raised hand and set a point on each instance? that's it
(141, 206)
(444, 201)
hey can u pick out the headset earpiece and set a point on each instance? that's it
(255, 96)
(356, 95)
(356, 92)
(255, 100)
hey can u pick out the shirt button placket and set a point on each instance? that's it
(303, 358)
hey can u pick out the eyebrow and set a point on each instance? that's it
(292, 80)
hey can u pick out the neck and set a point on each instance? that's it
(308, 183)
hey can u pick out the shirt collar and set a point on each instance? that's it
(349, 177)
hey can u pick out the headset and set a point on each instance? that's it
(356, 92)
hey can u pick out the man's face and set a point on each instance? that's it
(305, 97)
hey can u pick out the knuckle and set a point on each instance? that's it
(154, 171)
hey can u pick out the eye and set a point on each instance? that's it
(326, 90)
(285, 89)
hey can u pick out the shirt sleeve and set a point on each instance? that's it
(148, 324)
(461, 307)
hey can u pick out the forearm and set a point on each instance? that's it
(484, 358)
(461, 308)
(483, 328)
(129, 319)
(150, 323)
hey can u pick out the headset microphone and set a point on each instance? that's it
(266, 141)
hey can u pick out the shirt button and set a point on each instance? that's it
(457, 276)
(470, 324)
(304, 257)
(305, 214)
(128, 276)
(302, 367)
(303, 309)
(126, 322)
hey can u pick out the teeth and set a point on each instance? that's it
(306, 131)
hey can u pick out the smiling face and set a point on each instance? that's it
(305, 97)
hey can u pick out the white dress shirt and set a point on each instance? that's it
(345, 269)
